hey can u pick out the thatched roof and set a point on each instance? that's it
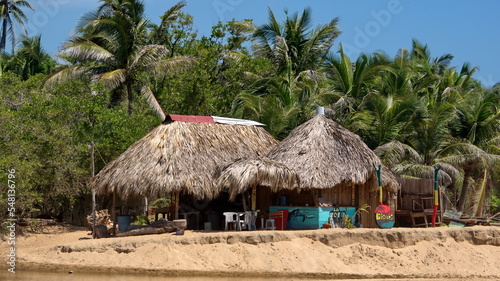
(180, 156)
(244, 173)
(326, 155)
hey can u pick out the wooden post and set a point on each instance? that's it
(171, 207)
(92, 174)
(113, 212)
(315, 197)
(176, 211)
(353, 194)
(244, 201)
(254, 198)
(435, 195)
(441, 209)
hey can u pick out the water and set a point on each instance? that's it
(49, 276)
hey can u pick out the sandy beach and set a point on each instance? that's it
(442, 252)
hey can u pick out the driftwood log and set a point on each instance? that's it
(141, 231)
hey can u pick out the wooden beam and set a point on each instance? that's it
(113, 212)
(176, 211)
(315, 197)
(92, 174)
(254, 198)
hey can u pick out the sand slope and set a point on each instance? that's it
(335, 253)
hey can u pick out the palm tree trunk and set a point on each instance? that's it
(454, 193)
(465, 188)
(130, 96)
(3, 39)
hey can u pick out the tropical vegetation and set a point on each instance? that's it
(122, 73)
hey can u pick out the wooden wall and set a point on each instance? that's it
(345, 196)
(372, 199)
(362, 195)
(414, 190)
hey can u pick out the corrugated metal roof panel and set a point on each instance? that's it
(190, 118)
(211, 119)
(234, 121)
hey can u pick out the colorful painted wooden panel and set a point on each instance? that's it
(301, 217)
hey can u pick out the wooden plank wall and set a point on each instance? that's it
(414, 189)
(338, 196)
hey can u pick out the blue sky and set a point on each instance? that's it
(464, 28)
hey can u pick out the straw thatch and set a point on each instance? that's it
(244, 173)
(326, 155)
(180, 157)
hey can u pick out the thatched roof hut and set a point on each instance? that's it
(327, 161)
(326, 155)
(181, 155)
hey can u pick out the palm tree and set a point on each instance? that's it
(297, 51)
(454, 123)
(427, 71)
(29, 59)
(175, 29)
(296, 40)
(383, 119)
(352, 82)
(7, 63)
(112, 49)
(478, 125)
(33, 57)
(11, 10)
(281, 102)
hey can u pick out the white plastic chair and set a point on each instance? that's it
(231, 218)
(248, 220)
(269, 225)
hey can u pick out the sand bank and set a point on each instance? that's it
(442, 252)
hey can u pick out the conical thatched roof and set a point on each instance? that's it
(244, 173)
(326, 155)
(180, 156)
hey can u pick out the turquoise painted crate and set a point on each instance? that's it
(302, 217)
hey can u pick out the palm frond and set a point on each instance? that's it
(396, 152)
(170, 16)
(233, 55)
(479, 196)
(246, 26)
(247, 105)
(86, 50)
(463, 153)
(148, 55)
(453, 172)
(420, 171)
(179, 63)
(112, 79)
(68, 73)
(153, 102)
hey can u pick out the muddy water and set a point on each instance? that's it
(42, 276)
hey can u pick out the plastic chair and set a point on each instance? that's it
(230, 218)
(269, 225)
(248, 220)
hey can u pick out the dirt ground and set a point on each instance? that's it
(441, 252)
